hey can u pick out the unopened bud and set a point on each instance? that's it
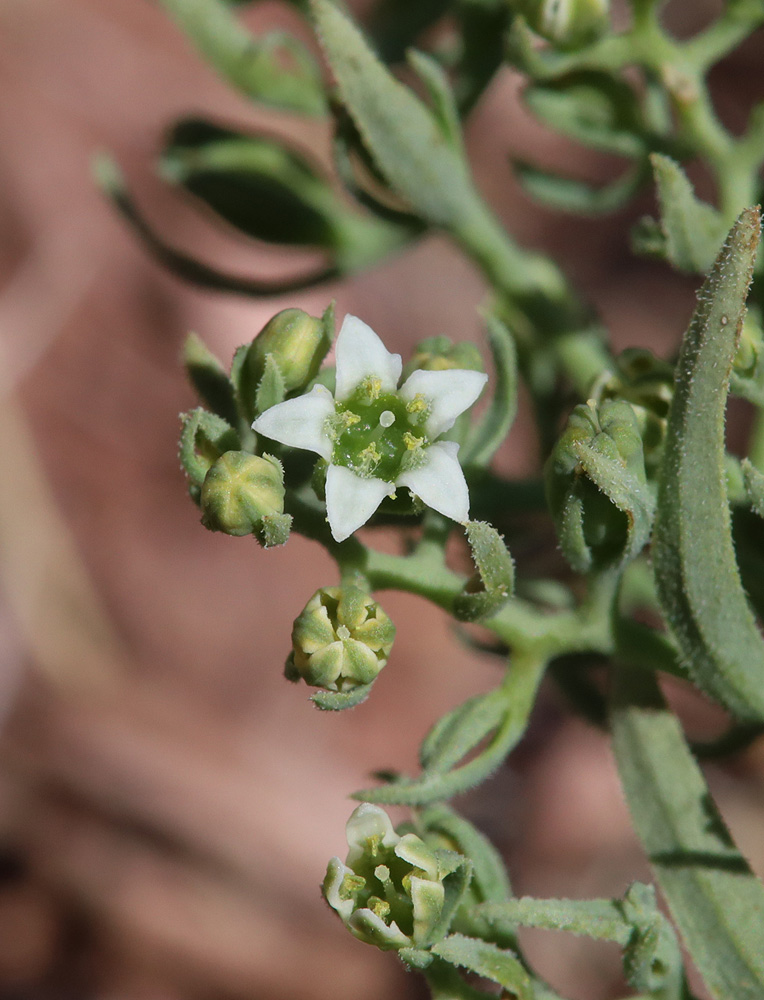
(243, 494)
(568, 24)
(296, 343)
(597, 487)
(441, 354)
(340, 640)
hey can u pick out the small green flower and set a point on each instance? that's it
(390, 891)
(341, 639)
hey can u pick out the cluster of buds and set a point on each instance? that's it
(391, 889)
(341, 640)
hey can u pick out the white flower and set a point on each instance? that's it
(376, 436)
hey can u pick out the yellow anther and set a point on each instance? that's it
(372, 387)
(370, 454)
(411, 441)
(418, 404)
(349, 418)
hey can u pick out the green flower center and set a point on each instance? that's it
(379, 435)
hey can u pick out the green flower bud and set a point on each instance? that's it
(568, 24)
(391, 890)
(436, 354)
(597, 487)
(750, 352)
(243, 494)
(647, 383)
(282, 358)
(340, 640)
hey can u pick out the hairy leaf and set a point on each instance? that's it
(693, 555)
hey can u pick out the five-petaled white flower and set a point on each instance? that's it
(376, 436)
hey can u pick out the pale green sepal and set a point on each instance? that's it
(403, 136)
(460, 730)
(275, 529)
(270, 390)
(692, 229)
(369, 927)
(497, 964)
(754, 484)
(494, 426)
(427, 899)
(209, 378)
(252, 65)
(696, 573)
(494, 582)
(715, 900)
(204, 437)
(337, 701)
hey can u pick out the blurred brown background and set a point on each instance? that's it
(167, 801)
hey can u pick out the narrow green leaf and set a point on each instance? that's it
(497, 964)
(571, 195)
(109, 178)
(693, 229)
(651, 955)
(495, 424)
(519, 689)
(210, 378)
(495, 580)
(714, 898)
(459, 731)
(595, 108)
(693, 554)
(403, 136)
(255, 66)
(434, 77)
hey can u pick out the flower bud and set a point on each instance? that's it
(295, 342)
(647, 383)
(390, 891)
(568, 24)
(597, 487)
(243, 494)
(440, 354)
(340, 640)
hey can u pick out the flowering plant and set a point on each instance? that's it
(634, 458)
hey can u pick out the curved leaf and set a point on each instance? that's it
(693, 555)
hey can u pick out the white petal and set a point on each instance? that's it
(440, 482)
(300, 422)
(351, 500)
(450, 393)
(359, 353)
